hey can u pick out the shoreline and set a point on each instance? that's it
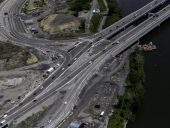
(132, 98)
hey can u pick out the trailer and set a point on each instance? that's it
(50, 70)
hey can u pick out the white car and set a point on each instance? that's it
(49, 121)
(2, 122)
(4, 116)
(41, 87)
(65, 102)
(12, 102)
(117, 42)
(62, 69)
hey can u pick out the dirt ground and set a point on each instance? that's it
(12, 56)
(18, 73)
(58, 23)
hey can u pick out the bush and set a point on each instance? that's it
(114, 13)
(102, 5)
(132, 99)
(79, 5)
(95, 22)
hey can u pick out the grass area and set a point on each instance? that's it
(114, 13)
(132, 99)
(95, 22)
(102, 5)
(81, 27)
(32, 59)
(111, 19)
(78, 5)
(37, 4)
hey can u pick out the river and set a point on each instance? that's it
(155, 111)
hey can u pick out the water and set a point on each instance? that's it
(155, 112)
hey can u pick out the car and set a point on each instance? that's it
(90, 62)
(117, 42)
(41, 87)
(12, 102)
(65, 102)
(5, 13)
(62, 69)
(58, 64)
(34, 100)
(34, 93)
(49, 121)
(2, 122)
(5, 126)
(20, 104)
(4, 116)
(75, 58)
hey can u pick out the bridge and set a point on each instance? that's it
(87, 69)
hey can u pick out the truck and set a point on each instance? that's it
(50, 70)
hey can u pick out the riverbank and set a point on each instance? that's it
(134, 92)
(114, 13)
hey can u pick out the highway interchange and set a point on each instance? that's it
(59, 79)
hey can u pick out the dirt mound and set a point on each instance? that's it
(12, 56)
(57, 23)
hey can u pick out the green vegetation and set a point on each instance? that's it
(79, 5)
(81, 27)
(114, 13)
(25, 8)
(95, 22)
(1, 1)
(39, 3)
(102, 5)
(132, 99)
